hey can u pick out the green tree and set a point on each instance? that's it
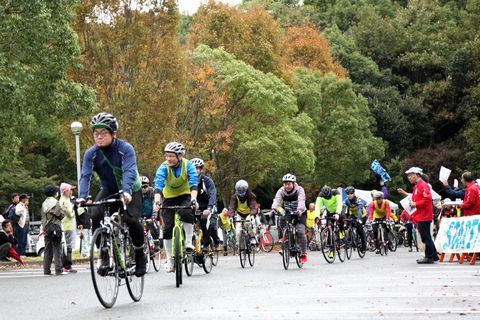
(249, 120)
(344, 145)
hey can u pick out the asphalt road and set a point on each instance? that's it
(392, 287)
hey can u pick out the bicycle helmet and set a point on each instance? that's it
(326, 192)
(104, 120)
(378, 195)
(289, 177)
(175, 147)
(349, 190)
(241, 188)
(145, 180)
(197, 162)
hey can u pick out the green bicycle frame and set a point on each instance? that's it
(178, 226)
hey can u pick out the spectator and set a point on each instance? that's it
(68, 225)
(471, 202)
(454, 193)
(85, 226)
(21, 228)
(8, 242)
(10, 211)
(423, 215)
(52, 215)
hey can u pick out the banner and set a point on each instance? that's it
(459, 235)
(378, 169)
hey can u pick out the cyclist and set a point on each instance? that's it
(379, 211)
(292, 197)
(176, 183)
(356, 211)
(244, 203)
(114, 161)
(224, 219)
(147, 207)
(310, 222)
(331, 202)
(207, 199)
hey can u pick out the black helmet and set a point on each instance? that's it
(326, 192)
(104, 120)
(50, 190)
(349, 190)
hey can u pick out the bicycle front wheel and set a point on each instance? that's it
(215, 254)
(340, 246)
(326, 244)
(348, 243)
(189, 264)
(208, 262)
(156, 258)
(242, 251)
(177, 257)
(251, 254)
(286, 254)
(134, 284)
(392, 242)
(104, 275)
(266, 242)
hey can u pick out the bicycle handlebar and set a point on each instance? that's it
(176, 207)
(109, 201)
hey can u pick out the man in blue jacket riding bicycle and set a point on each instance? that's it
(114, 161)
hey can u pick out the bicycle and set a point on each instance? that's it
(315, 242)
(264, 238)
(152, 246)
(115, 245)
(391, 236)
(198, 256)
(290, 247)
(404, 235)
(382, 237)
(353, 239)
(231, 238)
(178, 243)
(330, 241)
(245, 247)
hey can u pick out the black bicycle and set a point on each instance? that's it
(353, 241)
(290, 247)
(245, 247)
(112, 255)
(382, 238)
(204, 259)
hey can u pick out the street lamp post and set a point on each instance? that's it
(77, 129)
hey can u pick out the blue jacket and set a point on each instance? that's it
(120, 154)
(207, 193)
(454, 193)
(359, 203)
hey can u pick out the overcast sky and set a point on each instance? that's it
(191, 6)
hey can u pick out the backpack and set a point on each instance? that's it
(11, 214)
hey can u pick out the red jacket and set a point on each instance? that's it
(405, 217)
(471, 201)
(423, 202)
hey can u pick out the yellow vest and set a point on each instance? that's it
(310, 218)
(243, 207)
(225, 223)
(379, 212)
(175, 187)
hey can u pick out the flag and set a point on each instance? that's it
(379, 170)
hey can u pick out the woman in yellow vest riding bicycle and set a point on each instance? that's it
(379, 211)
(244, 203)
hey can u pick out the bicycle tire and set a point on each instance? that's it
(215, 255)
(297, 260)
(207, 263)
(266, 243)
(392, 242)
(146, 251)
(242, 251)
(177, 259)
(286, 254)
(135, 284)
(349, 243)
(371, 246)
(251, 254)
(326, 238)
(189, 262)
(341, 249)
(359, 245)
(156, 258)
(110, 282)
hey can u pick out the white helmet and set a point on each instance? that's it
(175, 147)
(241, 188)
(197, 162)
(289, 177)
(378, 195)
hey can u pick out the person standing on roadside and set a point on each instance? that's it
(471, 201)
(21, 228)
(423, 214)
(68, 225)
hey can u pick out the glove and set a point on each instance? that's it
(194, 204)
(127, 197)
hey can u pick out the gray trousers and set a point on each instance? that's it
(53, 249)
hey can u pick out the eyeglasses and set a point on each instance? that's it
(102, 133)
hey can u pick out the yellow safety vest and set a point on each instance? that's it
(243, 207)
(379, 211)
(175, 187)
(310, 218)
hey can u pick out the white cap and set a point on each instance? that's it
(416, 170)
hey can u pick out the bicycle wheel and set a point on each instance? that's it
(266, 242)
(134, 284)
(392, 242)
(370, 242)
(348, 243)
(242, 251)
(358, 244)
(156, 258)
(105, 283)
(207, 262)
(340, 246)
(383, 244)
(146, 250)
(177, 258)
(297, 259)
(215, 255)
(189, 261)
(251, 254)
(326, 245)
(286, 254)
